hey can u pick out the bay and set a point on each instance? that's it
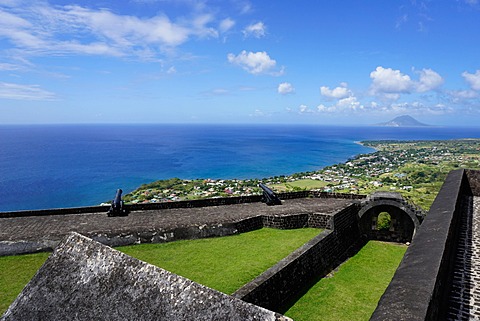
(54, 166)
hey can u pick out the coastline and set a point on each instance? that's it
(71, 166)
(362, 143)
(417, 175)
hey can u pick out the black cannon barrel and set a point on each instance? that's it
(269, 196)
(118, 207)
(117, 202)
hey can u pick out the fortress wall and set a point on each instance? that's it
(420, 285)
(282, 222)
(473, 177)
(285, 222)
(284, 282)
(320, 220)
(179, 204)
(249, 224)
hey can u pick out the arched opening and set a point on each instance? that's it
(386, 222)
(388, 217)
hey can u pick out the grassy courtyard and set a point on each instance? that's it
(353, 291)
(15, 272)
(228, 263)
(224, 264)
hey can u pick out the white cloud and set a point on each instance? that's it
(387, 81)
(337, 92)
(261, 114)
(322, 108)
(8, 66)
(390, 84)
(172, 70)
(24, 92)
(255, 62)
(472, 79)
(125, 30)
(226, 24)
(285, 88)
(257, 30)
(429, 80)
(245, 7)
(303, 109)
(42, 29)
(417, 108)
(463, 94)
(349, 103)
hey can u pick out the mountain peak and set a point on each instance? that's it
(403, 121)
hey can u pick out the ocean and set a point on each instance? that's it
(55, 166)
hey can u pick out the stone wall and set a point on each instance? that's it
(282, 222)
(320, 220)
(402, 227)
(473, 177)
(419, 288)
(286, 222)
(179, 204)
(277, 287)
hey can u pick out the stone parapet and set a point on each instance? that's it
(283, 283)
(180, 204)
(420, 287)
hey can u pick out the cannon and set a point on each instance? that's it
(269, 197)
(118, 207)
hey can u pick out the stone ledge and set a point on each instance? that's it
(419, 287)
(179, 204)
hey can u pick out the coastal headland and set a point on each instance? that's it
(416, 169)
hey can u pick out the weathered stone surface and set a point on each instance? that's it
(28, 234)
(420, 287)
(404, 216)
(85, 280)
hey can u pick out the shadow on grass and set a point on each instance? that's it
(290, 302)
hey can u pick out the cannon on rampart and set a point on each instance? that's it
(269, 197)
(118, 207)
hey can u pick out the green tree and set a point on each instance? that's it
(383, 221)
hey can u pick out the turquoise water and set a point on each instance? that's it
(51, 166)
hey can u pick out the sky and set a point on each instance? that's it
(344, 62)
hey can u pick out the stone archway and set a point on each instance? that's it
(405, 218)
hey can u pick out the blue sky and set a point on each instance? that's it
(239, 61)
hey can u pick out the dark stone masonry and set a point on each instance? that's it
(30, 232)
(281, 284)
(438, 276)
(437, 279)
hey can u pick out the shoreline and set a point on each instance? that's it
(381, 169)
(70, 167)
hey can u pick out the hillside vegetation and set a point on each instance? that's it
(416, 169)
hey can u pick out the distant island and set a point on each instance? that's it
(403, 121)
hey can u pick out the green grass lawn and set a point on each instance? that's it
(15, 272)
(226, 263)
(307, 184)
(355, 289)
